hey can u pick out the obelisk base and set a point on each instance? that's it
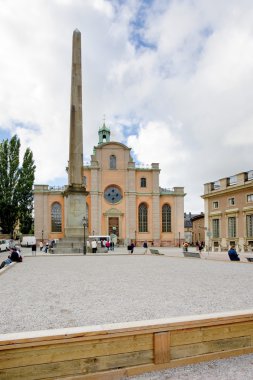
(75, 211)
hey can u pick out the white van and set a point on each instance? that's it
(28, 241)
(3, 245)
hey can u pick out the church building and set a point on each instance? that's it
(123, 199)
(116, 196)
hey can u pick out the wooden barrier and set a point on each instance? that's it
(121, 350)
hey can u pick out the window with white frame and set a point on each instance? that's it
(216, 228)
(216, 204)
(232, 226)
(250, 198)
(249, 225)
(231, 201)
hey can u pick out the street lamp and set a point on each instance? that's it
(42, 232)
(84, 237)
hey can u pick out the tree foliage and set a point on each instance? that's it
(16, 187)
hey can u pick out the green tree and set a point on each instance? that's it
(16, 184)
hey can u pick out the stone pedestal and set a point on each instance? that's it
(75, 211)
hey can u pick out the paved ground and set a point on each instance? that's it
(50, 291)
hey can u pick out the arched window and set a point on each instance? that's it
(112, 162)
(56, 217)
(143, 218)
(166, 218)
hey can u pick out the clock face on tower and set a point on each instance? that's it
(113, 194)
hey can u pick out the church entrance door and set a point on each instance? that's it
(113, 226)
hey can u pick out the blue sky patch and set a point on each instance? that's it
(4, 134)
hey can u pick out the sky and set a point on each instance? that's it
(172, 78)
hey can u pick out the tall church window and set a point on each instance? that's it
(56, 217)
(166, 218)
(143, 182)
(112, 162)
(143, 218)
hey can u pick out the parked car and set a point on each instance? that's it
(3, 245)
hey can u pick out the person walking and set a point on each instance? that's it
(107, 244)
(145, 246)
(132, 248)
(41, 245)
(94, 246)
(233, 255)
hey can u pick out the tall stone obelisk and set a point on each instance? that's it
(75, 194)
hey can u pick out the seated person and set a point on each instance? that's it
(15, 255)
(5, 262)
(233, 255)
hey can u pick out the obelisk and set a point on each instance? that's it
(75, 194)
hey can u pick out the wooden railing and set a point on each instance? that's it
(123, 349)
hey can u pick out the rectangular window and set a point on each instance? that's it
(231, 180)
(232, 227)
(215, 185)
(216, 204)
(143, 182)
(216, 228)
(250, 198)
(249, 225)
(249, 175)
(231, 201)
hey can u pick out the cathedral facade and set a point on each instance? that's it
(123, 200)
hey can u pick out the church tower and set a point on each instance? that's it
(75, 194)
(103, 134)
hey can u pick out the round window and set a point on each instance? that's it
(112, 194)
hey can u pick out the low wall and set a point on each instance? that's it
(124, 349)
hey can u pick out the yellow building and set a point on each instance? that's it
(229, 212)
(123, 199)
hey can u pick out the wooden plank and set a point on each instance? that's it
(76, 367)
(180, 337)
(128, 328)
(195, 349)
(137, 370)
(78, 350)
(161, 347)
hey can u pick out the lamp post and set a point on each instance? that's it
(84, 237)
(42, 234)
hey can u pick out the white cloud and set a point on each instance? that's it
(188, 99)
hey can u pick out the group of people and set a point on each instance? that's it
(14, 256)
(109, 245)
(131, 247)
(44, 247)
